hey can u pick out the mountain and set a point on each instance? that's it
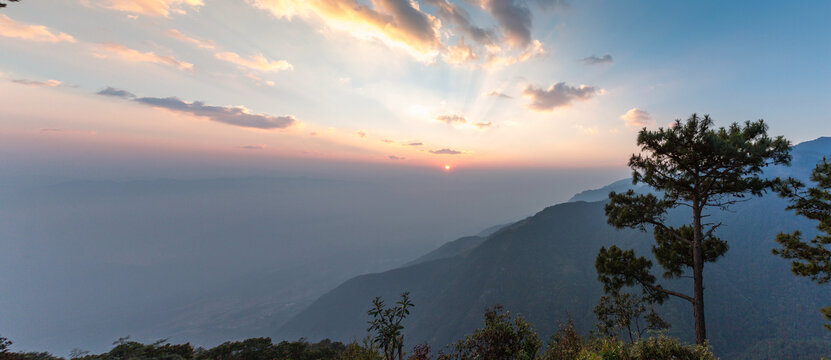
(543, 268)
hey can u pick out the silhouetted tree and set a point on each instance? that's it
(386, 323)
(810, 258)
(688, 164)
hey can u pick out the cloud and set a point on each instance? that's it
(258, 62)
(393, 157)
(636, 118)
(451, 119)
(47, 83)
(514, 19)
(109, 49)
(231, 115)
(12, 29)
(446, 151)
(461, 53)
(483, 125)
(594, 60)
(202, 44)
(252, 147)
(387, 141)
(558, 95)
(361, 133)
(454, 14)
(498, 58)
(111, 91)
(499, 95)
(397, 23)
(416, 143)
(151, 7)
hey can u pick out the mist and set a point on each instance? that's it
(92, 252)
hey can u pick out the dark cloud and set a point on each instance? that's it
(416, 143)
(446, 151)
(451, 119)
(557, 95)
(393, 157)
(500, 95)
(454, 14)
(252, 147)
(514, 18)
(594, 60)
(111, 91)
(231, 115)
(411, 20)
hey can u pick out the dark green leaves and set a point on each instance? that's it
(673, 252)
(812, 258)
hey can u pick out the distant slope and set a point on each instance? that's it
(454, 248)
(543, 268)
(460, 246)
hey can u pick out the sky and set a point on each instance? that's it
(471, 84)
(161, 159)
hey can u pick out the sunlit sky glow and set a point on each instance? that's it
(473, 83)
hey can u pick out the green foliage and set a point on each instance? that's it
(502, 338)
(565, 343)
(386, 323)
(622, 312)
(689, 164)
(365, 351)
(810, 258)
(133, 350)
(663, 347)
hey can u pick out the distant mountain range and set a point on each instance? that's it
(543, 268)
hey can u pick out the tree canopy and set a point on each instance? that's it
(811, 258)
(692, 165)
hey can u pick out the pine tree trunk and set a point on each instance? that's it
(698, 277)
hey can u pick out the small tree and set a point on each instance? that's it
(810, 258)
(621, 311)
(692, 165)
(386, 323)
(502, 338)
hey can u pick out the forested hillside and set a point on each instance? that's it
(543, 268)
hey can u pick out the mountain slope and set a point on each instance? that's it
(543, 268)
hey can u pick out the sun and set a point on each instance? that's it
(447, 168)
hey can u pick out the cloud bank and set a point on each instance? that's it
(12, 29)
(231, 115)
(558, 95)
(109, 50)
(594, 60)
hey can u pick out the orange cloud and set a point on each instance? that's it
(12, 29)
(204, 44)
(151, 7)
(108, 49)
(257, 62)
(398, 23)
(636, 118)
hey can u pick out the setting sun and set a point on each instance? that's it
(447, 168)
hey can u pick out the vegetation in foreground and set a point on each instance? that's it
(502, 337)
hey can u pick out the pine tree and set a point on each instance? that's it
(691, 165)
(810, 258)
